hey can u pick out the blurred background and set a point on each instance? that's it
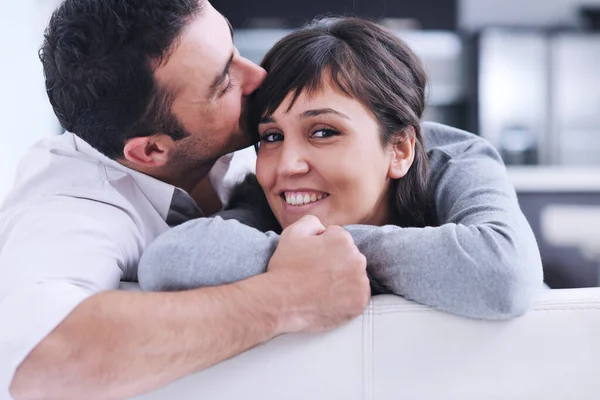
(524, 74)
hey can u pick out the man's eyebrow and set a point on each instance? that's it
(219, 79)
(321, 111)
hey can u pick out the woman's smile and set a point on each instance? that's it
(303, 197)
(297, 203)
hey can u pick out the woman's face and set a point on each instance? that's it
(324, 157)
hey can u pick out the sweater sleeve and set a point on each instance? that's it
(205, 252)
(482, 259)
(231, 246)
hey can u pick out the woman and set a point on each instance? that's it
(338, 123)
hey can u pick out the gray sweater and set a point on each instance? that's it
(480, 259)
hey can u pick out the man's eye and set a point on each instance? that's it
(324, 133)
(271, 137)
(229, 86)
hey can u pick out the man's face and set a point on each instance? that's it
(210, 82)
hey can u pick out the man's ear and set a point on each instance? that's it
(150, 151)
(403, 154)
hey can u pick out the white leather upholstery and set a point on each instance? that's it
(401, 350)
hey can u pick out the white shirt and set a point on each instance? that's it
(75, 224)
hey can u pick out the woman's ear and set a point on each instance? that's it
(403, 154)
(150, 151)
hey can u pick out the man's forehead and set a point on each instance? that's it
(211, 29)
(202, 52)
(228, 24)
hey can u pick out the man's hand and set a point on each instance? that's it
(321, 274)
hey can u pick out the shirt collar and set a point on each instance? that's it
(159, 193)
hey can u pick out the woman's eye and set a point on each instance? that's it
(271, 137)
(324, 133)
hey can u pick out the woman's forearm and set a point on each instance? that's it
(205, 252)
(467, 270)
(214, 251)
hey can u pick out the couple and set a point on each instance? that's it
(151, 93)
(337, 121)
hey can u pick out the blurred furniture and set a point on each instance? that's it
(401, 350)
(513, 93)
(539, 95)
(427, 14)
(575, 106)
(562, 206)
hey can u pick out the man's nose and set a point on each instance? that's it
(292, 160)
(255, 75)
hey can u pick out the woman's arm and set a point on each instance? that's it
(205, 252)
(214, 251)
(482, 260)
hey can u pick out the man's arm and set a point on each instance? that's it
(118, 344)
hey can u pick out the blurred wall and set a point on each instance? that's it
(427, 14)
(25, 114)
(475, 14)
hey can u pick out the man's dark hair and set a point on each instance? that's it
(99, 58)
(370, 64)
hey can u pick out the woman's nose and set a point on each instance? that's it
(292, 161)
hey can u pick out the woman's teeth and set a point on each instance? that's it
(300, 199)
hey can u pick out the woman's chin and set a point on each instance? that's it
(287, 220)
(289, 214)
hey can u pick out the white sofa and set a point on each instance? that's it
(401, 350)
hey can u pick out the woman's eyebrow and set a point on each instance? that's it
(267, 120)
(308, 114)
(321, 111)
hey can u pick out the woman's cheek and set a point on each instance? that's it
(265, 172)
(260, 170)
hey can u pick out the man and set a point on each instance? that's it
(151, 93)
(154, 90)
